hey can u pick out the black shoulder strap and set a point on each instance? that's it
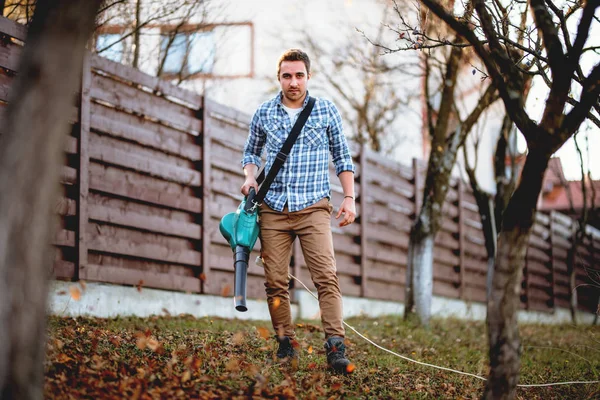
(283, 153)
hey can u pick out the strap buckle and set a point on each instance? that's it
(254, 205)
(281, 156)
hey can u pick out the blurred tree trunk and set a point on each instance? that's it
(31, 147)
(503, 303)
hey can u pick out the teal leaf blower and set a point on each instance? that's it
(240, 229)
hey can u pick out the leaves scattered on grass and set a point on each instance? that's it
(167, 357)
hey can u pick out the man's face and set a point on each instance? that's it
(293, 78)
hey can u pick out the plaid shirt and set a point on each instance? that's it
(303, 179)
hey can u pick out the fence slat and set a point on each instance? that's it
(104, 273)
(64, 238)
(130, 98)
(118, 157)
(145, 222)
(144, 132)
(133, 75)
(13, 29)
(10, 56)
(146, 195)
(66, 207)
(148, 251)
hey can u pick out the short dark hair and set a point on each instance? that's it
(294, 55)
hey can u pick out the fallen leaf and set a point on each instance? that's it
(263, 332)
(350, 368)
(83, 285)
(62, 358)
(153, 344)
(226, 291)
(139, 285)
(75, 292)
(310, 350)
(203, 277)
(116, 341)
(232, 365)
(238, 338)
(186, 376)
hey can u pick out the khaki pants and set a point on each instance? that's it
(312, 226)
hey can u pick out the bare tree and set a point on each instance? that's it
(31, 146)
(365, 87)
(558, 63)
(448, 127)
(491, 208)
(136, 20)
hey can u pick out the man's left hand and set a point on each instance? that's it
(348, 209)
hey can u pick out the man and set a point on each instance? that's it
(298, 202)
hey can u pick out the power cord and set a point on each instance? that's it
(437, 366)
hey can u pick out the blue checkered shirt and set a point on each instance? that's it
(303, 179)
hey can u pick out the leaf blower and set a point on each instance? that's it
(241, 228)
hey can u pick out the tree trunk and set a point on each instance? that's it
(31, 146)
(419, 286)
(503, 304)
(136, 35)
(504, 184)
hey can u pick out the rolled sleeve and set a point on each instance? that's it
(338, 146)
(255, 143)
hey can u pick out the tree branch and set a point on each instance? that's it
(583, 31)
(549, 33)
(590, 115)
(512, 98)
(589, 97)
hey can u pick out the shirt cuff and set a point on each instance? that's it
(344, 166)
(251, 159)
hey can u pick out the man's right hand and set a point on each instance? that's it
(248, 183)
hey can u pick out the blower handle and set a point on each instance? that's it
(250, 200)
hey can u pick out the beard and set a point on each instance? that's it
(294, 94)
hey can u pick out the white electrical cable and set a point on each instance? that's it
(436, 366)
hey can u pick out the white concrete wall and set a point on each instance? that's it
(109, 301)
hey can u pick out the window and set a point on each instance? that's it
(110, 45)
(188, 53)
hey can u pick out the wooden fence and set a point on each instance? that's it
(151, 168)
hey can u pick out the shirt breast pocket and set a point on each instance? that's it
(274, 136)
(315, 134)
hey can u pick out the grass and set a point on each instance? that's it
(185, 357)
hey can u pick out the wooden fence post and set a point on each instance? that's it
(461, 238)
(526, 267)
(552, 262)
(364, 220)
(205, 141)
(83, 174)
